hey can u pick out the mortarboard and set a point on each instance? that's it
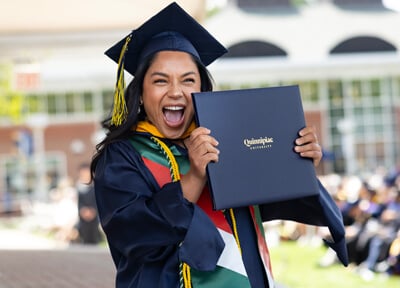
(170, 29)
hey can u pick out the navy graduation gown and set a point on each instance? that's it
(150, 233)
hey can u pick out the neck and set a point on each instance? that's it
(147, 127)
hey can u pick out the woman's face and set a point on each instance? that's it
(167, 88)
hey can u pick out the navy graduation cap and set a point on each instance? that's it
(170, 29)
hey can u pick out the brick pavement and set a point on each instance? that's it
(74, 267)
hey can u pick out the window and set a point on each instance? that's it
(51, 104)
(108, 98)
(34, 104)
(375, 86)
(309, 91)
(88, 102)
(335, 93)
(363, 44)
(21, 176)
(356, 91)
(70, 103)
(254, 49)
(60, 104)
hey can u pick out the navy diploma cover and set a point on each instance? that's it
(256, 130)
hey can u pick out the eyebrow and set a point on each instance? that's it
(166, 75)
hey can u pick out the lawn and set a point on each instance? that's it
(296, 266)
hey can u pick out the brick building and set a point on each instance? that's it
(344, 55)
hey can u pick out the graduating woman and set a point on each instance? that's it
(150, 171)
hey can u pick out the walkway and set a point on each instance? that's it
(29, 261)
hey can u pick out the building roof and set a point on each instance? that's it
(310, 33)
(24, 16)
(307, 44)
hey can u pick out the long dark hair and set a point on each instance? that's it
(136, 111)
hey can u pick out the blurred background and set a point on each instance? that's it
(56, 86)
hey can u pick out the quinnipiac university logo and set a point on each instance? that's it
(259, 143)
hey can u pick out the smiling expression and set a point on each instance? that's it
(167, 88)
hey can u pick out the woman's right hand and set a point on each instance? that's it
(202, 149)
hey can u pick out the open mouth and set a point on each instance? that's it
(173, 115)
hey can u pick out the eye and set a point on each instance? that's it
(189, 80)
(159, 81)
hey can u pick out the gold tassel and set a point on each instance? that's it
(120, 111)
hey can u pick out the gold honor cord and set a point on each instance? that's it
(235, 232)
(173, 165)
(184, 269)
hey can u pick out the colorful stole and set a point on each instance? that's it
(230, 271)
(168, 165)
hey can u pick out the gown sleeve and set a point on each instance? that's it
(319, 210)
(147, 224)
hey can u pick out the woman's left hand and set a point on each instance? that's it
(307, 145)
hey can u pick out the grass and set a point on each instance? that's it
(296, 266)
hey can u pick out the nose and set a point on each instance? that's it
(175, 90)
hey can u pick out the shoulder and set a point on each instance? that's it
(122, 146)
(117, 153)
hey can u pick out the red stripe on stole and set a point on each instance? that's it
(215, 215)
(262, 245)
(160, 172)
(162, 175)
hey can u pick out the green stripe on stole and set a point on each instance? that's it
(151, 151)
(220, 277)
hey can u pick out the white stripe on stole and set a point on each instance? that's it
(231, 258)
(271, 282)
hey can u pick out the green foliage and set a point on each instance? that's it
(296, 266)
(11, 102)
(5, 77)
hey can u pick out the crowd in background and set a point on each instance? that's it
(370, 206)
(70, 216)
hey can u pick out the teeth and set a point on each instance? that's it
(174, 108)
